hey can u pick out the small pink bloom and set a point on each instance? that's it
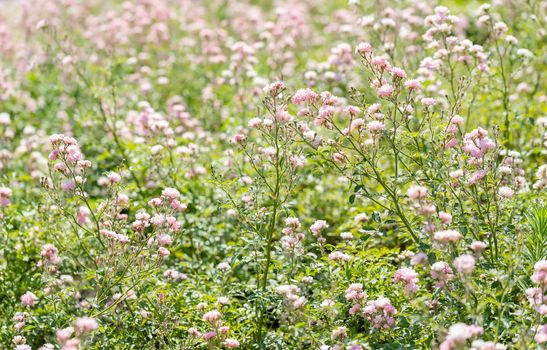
(114, 178)
(363, 48)
(375, 126)
(428, 101)
(446, 218)
(85, 325)
(170, 193)
(28, 299)
(417, 192)
(231, 343)
(238, 139)
(385, 90)
(478, 246)
(163, 252)
(212, 317)
(465, 263)
(506, 192)
(209, 335)
(413, 85)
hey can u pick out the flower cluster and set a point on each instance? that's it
(380, 313)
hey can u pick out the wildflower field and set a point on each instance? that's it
(273, 174)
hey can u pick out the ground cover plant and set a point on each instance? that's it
(312, 174)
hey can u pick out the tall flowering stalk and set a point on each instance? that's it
(268, 173)
(116, 252)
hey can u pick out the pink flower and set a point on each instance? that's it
(122, 200)
(535, 296)
(254, 123)
(29, 299)
(457, 336)
(163, 252)
(19, 340)
(541, 334)
(339, 256)
(355, 124)
(477, 143)
(476, 177)
(506, 192)
(299, 302)
(355, 292)
(164, 239)
(83, 215)
(483, 67)
(283, 116)
(447, 236)
(5, 194)
(456, 174)
(352, 110)
(174, 275)
(85, 325)
(56, 138)
(465, 264)
(417, 192)
(64, 334)
(380, 313)
(363, 48)
(442, 272)
(338, 157)
(113, 177)
(445, 218)
(374, 108)
(49, 251)
(340, 333)
(375, 126)
(409, 277)
(348, 236)
(170, 193)
(68, 185)
(452, 143)
(318, 226)
(478, 246)
(326, 112)
(238, 139)
(108, 233)
(385, 90)
(157, 220)
(361, 217)
(428, 101)
(231, 343)
(457, 120)
(193, 332)
(540, 272)
(380, 62)
(304, 96)
(209, 335)
(413, 85)
(419, 259)
(293, 222)
(275, 88)
(398, 72)
(297, 161)
(355, 309)
(212, 317)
